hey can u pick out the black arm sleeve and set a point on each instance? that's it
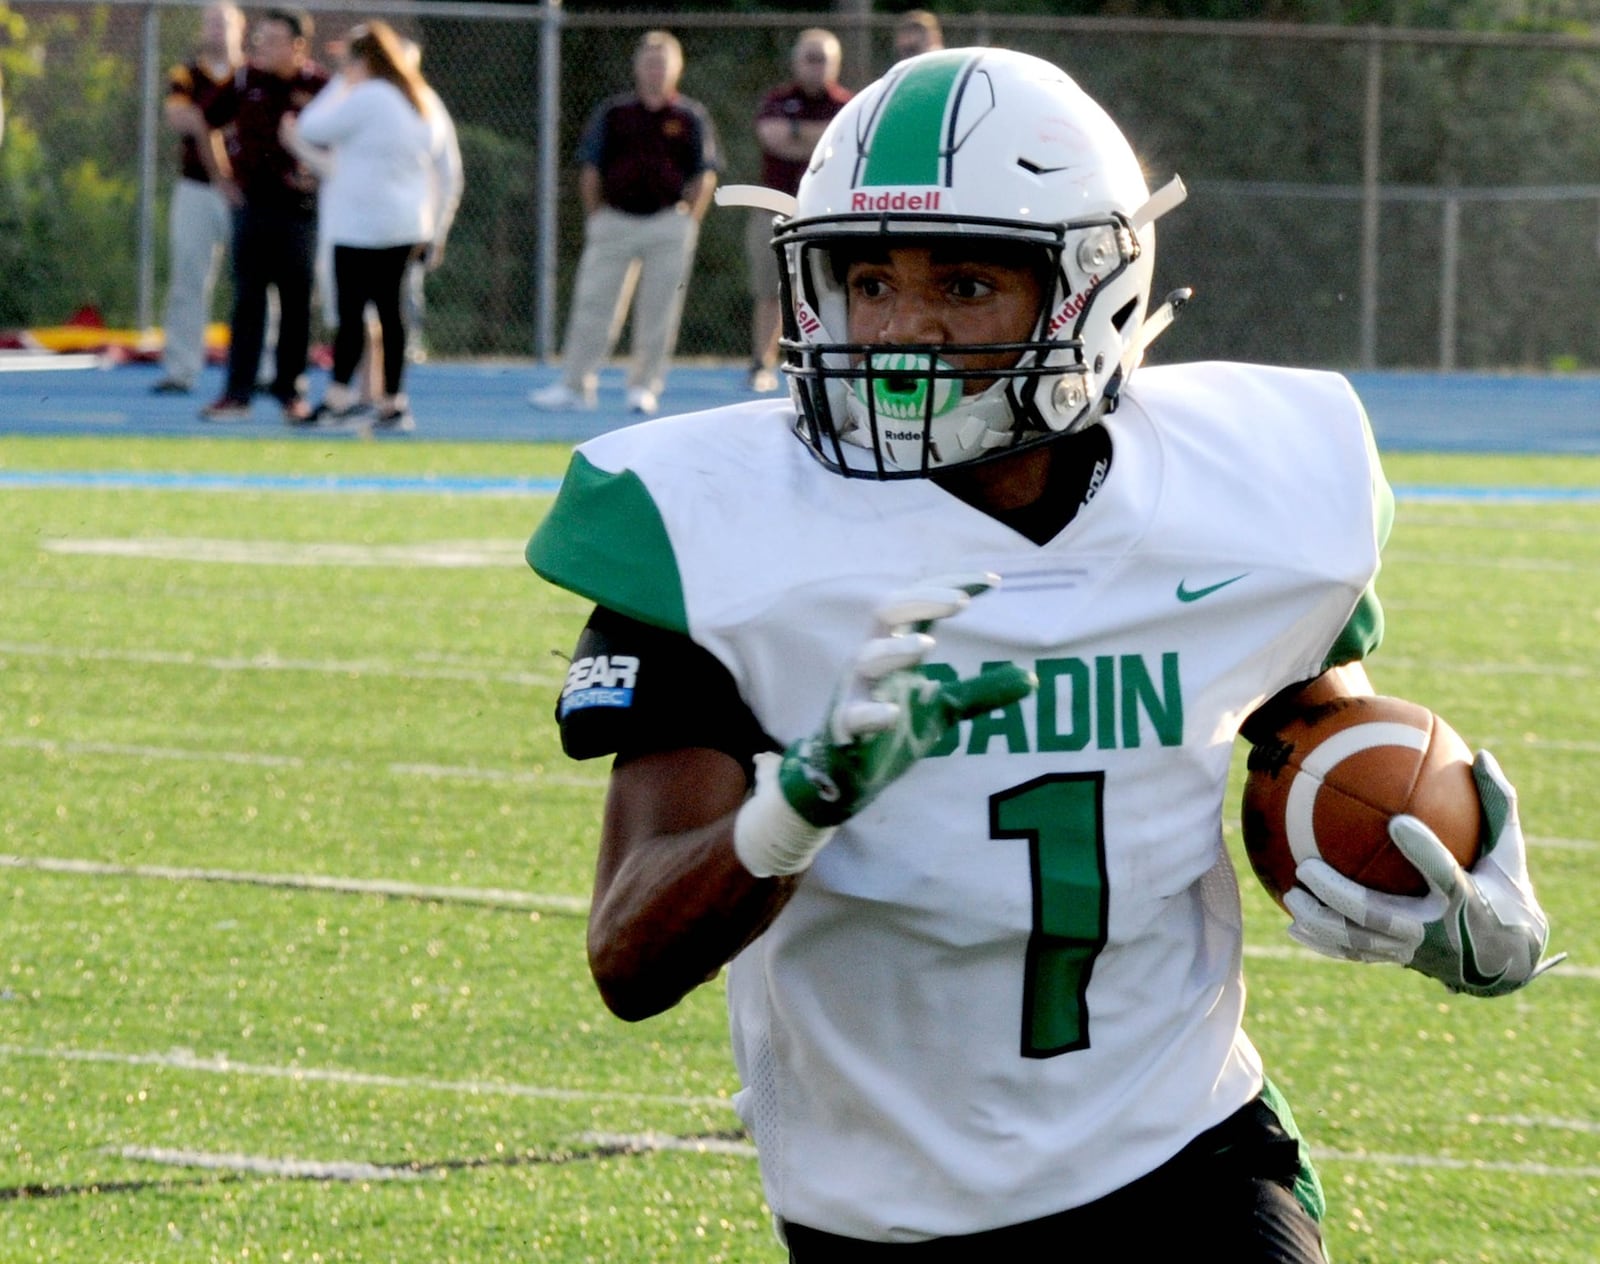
(634, 689)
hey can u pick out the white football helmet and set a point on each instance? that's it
(980, 144)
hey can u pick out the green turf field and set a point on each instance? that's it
(292, 966)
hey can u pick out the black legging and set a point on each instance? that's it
(363, 275)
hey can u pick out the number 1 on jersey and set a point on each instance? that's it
(1060, 816)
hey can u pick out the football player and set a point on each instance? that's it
(922, 687)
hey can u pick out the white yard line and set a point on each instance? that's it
(495, 897)
(1554, 1123)
(445, 554)
(257, 759)
(261, 1165)
(665, 1141)
(356, 1170)
(1292, 952)
(1567, 671)
(1437, 1162)
(187, 1060)
(273, 663)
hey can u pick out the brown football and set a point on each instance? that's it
(1328, 781)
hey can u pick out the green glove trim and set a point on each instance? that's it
(827, 784)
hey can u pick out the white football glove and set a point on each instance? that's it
(1480, 931)
(884, 717)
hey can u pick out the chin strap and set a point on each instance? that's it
(757, 197)
(1169, 196)
(1156, 324)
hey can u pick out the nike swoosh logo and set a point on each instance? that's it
(1470, 974)
(1194, 594)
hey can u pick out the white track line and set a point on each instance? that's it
(493, 896)
(220, 1064)
(50, 362)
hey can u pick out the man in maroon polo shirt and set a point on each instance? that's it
(789, 122)
(200, 221)
(648, 166)
(274, 196)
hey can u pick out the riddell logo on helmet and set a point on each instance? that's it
(897, 201)
(1072, 308)
(810, 326)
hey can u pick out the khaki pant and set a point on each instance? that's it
(200, 230)
(642, 259)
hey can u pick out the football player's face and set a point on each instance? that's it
(933, 296)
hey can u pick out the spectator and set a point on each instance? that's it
(960, 853)
(448, 185)
(274, 195)
(917, 31)
(200, 221)
(648, 165)
(789, 122)
(378, 205)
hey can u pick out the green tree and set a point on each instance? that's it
(64, 213)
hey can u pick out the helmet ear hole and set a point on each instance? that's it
(1121, 316)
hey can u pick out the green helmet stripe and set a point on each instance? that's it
(907, 140)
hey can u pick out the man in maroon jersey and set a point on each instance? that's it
(648, 164)
(789, 122)
(275, 213)
(199, 220)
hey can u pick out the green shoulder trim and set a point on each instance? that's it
(604, 539)
(1307, 1184)
(1363, 631)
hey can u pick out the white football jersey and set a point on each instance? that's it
(1012, 983)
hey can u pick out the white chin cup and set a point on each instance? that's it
(964, 426)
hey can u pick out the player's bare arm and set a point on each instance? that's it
(672, 902)
(1344, 681)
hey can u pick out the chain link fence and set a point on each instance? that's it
(1360, 197)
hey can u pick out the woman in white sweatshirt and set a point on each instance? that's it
(378, 204)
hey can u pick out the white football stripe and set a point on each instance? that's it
(1302, 800)
(187, 1060)
(262, 1165)
(659, 1141)
(448, 554)
(494, 897)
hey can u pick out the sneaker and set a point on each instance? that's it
(339, 405)
(226, 408)
(763, 381)
(559, 397)
(643, 401)
(170, 386)
(298, 412)
(394, 421)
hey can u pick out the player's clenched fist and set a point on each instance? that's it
(884, 717)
